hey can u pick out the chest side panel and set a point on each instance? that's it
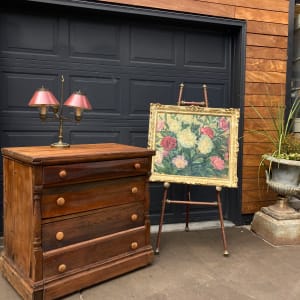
(18, 215)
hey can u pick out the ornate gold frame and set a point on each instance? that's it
(174, 139)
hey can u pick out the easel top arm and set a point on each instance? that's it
(201, 103)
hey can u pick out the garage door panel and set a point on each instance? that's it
(20, 33)
(217, 94)
(152, 45)
(103, 92)
(17, 138)
(46, 137)
(143, 92)
(205, 49)
(18, 88)
(138, 138)
(94, 39)
(92, 137)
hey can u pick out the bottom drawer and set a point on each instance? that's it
(96, 251)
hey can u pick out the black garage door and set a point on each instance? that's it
(122, 62)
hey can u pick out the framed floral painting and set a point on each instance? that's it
(194, 145)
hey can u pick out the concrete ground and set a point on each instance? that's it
(191, 266)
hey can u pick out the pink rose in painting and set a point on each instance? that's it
(165, 153)
(217, 162)
(207, 131)
(168, 143)
(160, 125)
(223, 123)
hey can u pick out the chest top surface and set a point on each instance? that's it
(46, 155)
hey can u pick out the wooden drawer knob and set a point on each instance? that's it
(62, 174)
(134, 217)
(134, 190)
(134, 245)
(62, 268)
(137, 166)
(59, 235)
(60, 201)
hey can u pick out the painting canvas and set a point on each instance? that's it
(193, 144)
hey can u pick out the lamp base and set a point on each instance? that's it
(60, 145)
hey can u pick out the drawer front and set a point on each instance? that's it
(64, 260)
(93, 225)
(83, 197)
(83, 172)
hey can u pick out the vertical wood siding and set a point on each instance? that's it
(265, 78)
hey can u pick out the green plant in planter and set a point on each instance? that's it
(290, 148)
(286, 145)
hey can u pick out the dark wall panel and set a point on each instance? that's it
(205, 49)
(122, 62)
(152, 45)
(105, 43)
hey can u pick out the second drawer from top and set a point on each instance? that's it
(83, 197)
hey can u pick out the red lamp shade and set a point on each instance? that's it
(43, 97)
(77, 99)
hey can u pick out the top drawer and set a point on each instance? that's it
(83, 172)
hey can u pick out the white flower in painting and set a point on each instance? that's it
(186, 138)
(205, 144)
(174, 124)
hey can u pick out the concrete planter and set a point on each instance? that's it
(279, 224)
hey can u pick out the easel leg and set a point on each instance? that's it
(187, 208)
(162, 214)
(219, 189)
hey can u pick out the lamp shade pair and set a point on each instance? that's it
(44, 97)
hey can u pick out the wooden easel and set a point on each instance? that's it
(188, 201)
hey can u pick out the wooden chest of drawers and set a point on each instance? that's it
(74, 217)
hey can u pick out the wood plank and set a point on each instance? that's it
(260, 76)
(264, 40)
(251, 160)
(252, 172)
(259, 88)
(256, 124)
(267, 28)
(252, 207)
(252, 112)
(281, 5)
(267, 65)
(261, 15)
(266, 52)
(257, 148)
(192, 6)
(259, 195)
(256, 184)
(263, 100)
(252, 137)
